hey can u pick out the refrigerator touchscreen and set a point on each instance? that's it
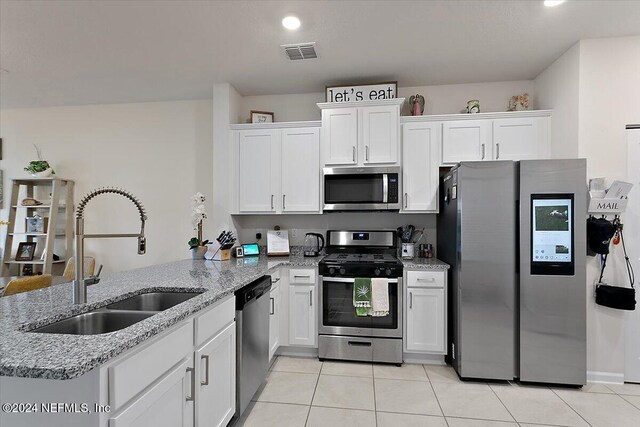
(552, 234)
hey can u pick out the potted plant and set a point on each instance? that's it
(196, 244)
(39, 168)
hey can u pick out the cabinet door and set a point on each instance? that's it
(520, 139)
(274, 321)
(420, 159)
(258, 170)
(380, 129)
(466, 140)
(168, 403)
(426, 320)
(301, 170)
(216, 379)
(302, 315)
(340, 136)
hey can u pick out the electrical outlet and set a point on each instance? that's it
(294, 233)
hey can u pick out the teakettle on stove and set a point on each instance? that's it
(313, 244)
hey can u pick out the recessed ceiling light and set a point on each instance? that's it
(552, 3)
(291, 22)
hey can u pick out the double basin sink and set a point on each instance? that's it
(117, 315)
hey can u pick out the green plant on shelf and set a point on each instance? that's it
(37, 166)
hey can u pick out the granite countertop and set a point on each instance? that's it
(424, 264)
(56, 356)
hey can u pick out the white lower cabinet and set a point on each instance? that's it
(426, 312)
(215, 375)
(302, 315)
(274, 321)
(166, 404)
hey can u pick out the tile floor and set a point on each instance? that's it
(303, 392)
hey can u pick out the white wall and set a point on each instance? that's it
(442, 99)
(161, 152)
(591, 125)
(609, 90)
(557, 89)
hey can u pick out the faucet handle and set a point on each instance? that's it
(99, 271)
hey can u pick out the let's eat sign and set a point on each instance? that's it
(371, 92)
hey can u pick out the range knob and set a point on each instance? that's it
(342, 271)
(332, 270)
(388, 272)
(377, 272)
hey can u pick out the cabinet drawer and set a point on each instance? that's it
(137, 372)
(425, 279)
(302, 275)
(215, 319)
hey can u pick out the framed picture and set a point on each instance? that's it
(36, 224)
(262, 117)
(26, 250)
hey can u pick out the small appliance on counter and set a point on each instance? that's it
(313, 244)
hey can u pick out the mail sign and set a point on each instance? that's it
(372, 92)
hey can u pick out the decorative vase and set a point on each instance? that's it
(198, 252)
(44, 174)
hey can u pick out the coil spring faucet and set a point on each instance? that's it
(80, 283)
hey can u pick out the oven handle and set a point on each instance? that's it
(348, 280)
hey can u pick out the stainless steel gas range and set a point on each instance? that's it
(342, 334)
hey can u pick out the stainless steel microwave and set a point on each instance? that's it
(361, 189)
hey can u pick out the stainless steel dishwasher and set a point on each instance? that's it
(252, 344)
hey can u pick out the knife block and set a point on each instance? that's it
(216, 254)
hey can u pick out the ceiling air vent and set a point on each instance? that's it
(300, 51)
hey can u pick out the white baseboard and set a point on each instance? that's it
(427, 359)
(297, 351)
(605, 377)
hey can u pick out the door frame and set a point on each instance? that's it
(632, 227)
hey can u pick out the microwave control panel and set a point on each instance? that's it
(393, 188)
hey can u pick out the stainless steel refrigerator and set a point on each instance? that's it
(514, 235)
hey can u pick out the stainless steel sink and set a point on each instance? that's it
(95, 322)
(153, 301)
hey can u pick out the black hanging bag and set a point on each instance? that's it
(616, 296)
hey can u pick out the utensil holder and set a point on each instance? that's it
(407, 250)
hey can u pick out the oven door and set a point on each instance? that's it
(337, 315)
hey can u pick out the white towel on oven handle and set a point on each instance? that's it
(379, 297)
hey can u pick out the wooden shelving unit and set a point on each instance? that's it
(61, 190)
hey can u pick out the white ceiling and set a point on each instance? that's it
(82, 52)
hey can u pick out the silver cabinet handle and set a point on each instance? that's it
(283, 196)
(482, 151)
(272, 200)
(410, 299)
(366, 152)
(405, 200)
(192, 375)
(306, 276)
(497, 150)
(354, 154)
(273, 307)
(206, 370)
(431, 280)
(311, 298)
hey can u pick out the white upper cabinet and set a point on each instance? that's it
(258, 170)
(521, 139)
(363, 133)
(420, 161)
(300, 170)
(464, 140)
(520, 135)
(340, 136)
(278, 170)
(380, 129)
